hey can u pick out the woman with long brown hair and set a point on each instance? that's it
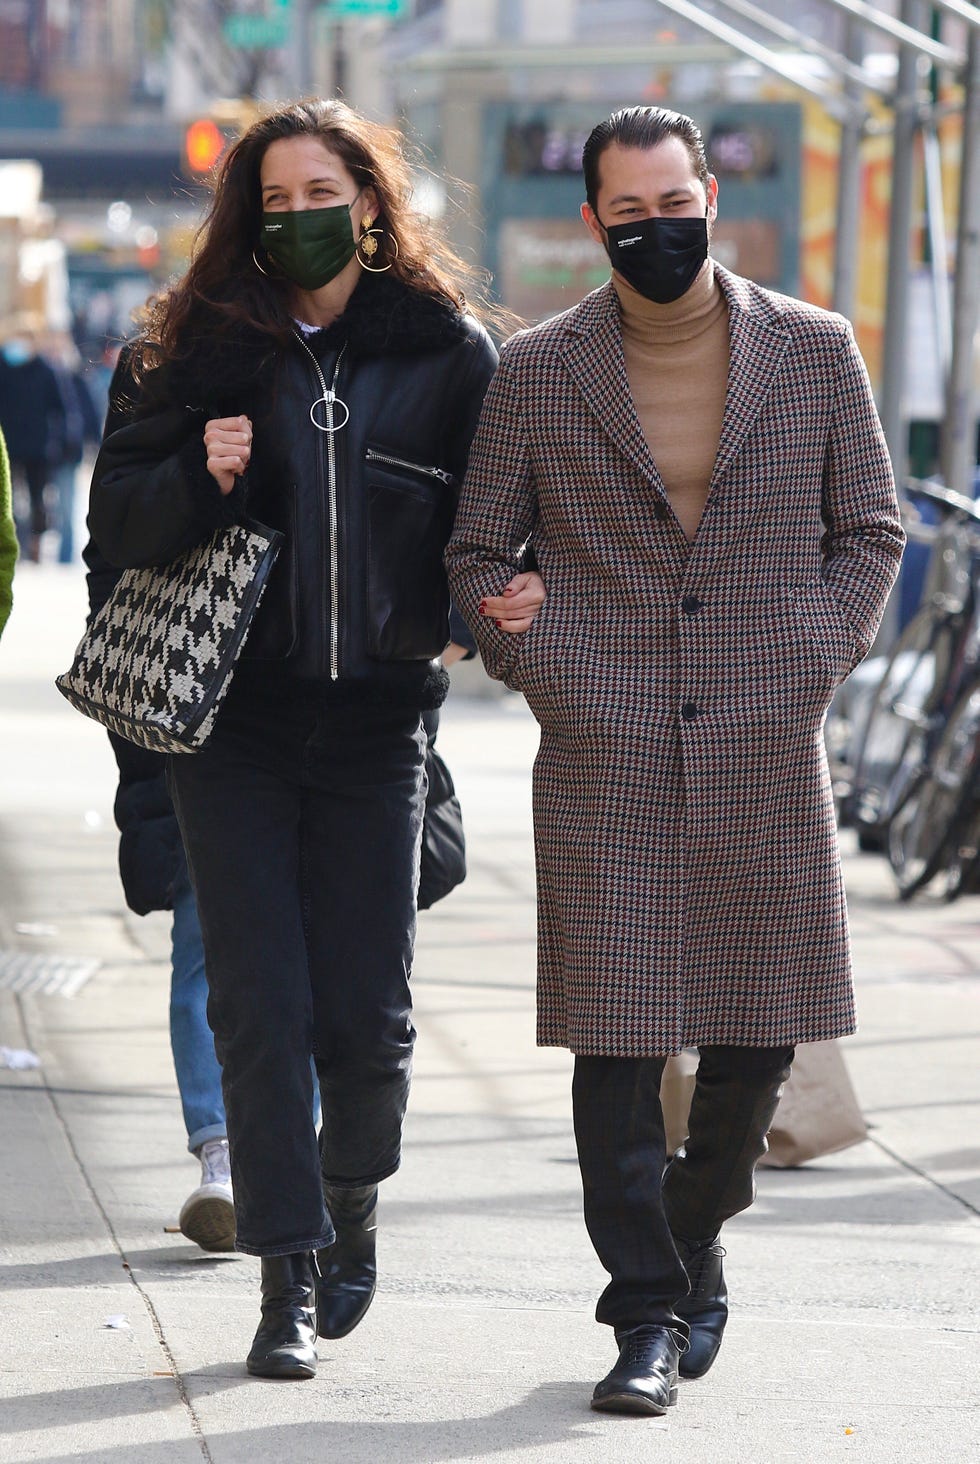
(316, 369)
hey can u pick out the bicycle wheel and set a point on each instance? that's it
(961, 875)
(902, 718)
(925, 830)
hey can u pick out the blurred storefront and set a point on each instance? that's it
(540, 254)
(97, 98)
(504, 94)
(499, 93)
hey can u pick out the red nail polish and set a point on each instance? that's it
(499, 624)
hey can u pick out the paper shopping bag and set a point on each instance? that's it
(818, 1112)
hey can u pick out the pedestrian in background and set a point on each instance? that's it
(315, 368)
(82, 427)
(698, 467)
(32, 418)
(8, 538)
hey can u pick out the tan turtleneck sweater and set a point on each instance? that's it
(677, 365)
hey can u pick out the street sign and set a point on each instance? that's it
(252, 32)
(344, 8)
(257, 32)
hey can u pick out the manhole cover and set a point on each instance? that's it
(44, 975)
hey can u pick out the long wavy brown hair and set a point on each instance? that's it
(223, 290)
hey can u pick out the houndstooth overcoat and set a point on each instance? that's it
(689, 884)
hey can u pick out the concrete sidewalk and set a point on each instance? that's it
(854, 1332)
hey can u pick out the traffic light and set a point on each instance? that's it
(204, 142)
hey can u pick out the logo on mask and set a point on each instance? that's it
(666, 255)
(310, 245)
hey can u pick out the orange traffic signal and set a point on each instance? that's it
(204, 143)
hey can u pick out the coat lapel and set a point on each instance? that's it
(593, 353)
(758, 344)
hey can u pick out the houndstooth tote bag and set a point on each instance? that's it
(155, 662)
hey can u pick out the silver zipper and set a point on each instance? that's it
(397, 462)
(328, 399)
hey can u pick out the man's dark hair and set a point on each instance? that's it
(641, 127)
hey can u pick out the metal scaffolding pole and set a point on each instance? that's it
(891, 406)
(849, 185)
(906, 33)
(938, 254)
(959, 431)
(962, 8)
(773, 61)
(842, 65)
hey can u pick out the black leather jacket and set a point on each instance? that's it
(358, 600)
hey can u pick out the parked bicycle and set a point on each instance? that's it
(935, 832)
(913, 790)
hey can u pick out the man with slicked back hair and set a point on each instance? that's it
(698, 468)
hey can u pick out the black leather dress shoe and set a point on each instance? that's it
(285, 1343)
(644, 1379)
(706, 1309)
(347, 1271)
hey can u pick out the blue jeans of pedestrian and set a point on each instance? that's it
(191, 1039)
(64, 477)
(302, 824)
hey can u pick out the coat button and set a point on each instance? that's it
(689, 711)
(691, 605)
(661, 513)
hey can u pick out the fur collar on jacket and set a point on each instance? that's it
(386, 317)
(383, 317)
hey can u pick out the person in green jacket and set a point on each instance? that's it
(8, 537)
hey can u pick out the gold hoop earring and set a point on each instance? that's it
(259, 267)
(367, 245)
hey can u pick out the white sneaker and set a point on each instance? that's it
(208, 1214)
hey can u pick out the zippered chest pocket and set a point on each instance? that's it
(421, 472)
(410, 508)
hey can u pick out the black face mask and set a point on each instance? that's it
(660, 258)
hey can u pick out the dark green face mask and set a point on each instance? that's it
(310, 245)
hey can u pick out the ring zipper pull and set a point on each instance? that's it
(329, 399)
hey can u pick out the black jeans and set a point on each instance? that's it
(633, 1210)
(302, 824)
(33, 473)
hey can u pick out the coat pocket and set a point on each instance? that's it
(543, 668)
(409, 518)
(827, 629)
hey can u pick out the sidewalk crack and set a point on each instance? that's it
(923, 1174)
(179, 1384)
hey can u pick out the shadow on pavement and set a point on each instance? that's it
(552, 1415)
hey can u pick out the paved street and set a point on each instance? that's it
(855, 1280)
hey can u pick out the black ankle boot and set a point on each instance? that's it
(347, 1269)
(706, 1309)
(285, 1344)
(644, 1379)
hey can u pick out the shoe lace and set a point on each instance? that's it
(638, 1344)
(701, 1267)
(215, 1162)
(637, 1349)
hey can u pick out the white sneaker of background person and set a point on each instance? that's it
(208, 1216)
